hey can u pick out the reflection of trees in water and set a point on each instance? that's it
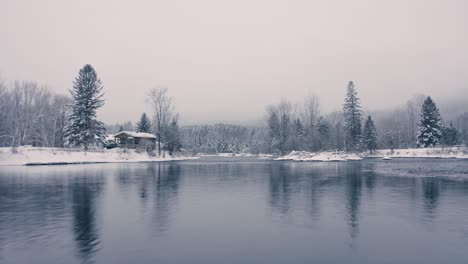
(431, 193)
(353, 196)
(143, 190)
(369, 177)
(84, 191)
(167, 178)
(157, 185)
(31, 208)
(280, 188)
(313, 198)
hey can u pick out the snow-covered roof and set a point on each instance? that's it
(109, 137)
(136, 134)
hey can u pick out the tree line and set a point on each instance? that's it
(32, 115)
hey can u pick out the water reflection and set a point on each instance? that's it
(157, 188)
(165, 189)
(280, 188)
(292, 185)
(84, 191)
(353, 179)
(86, 214)
(431, 194)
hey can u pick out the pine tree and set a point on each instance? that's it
(297, 138)
(323, 130)
(352, 117)
(144, 125)
(450, 135)
(299, 129)
(430, 127)
(274, 131)
(284, 133)
(173, 137)
(370, 135)
(83, 128)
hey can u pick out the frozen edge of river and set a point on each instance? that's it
(54, 156)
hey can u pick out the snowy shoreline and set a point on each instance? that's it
(33, 156)
(445, 153)
(55, 156)
(320, 156)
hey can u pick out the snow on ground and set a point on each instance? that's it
(43, 156)
(319, 156)
(452, 152)
(237, 155)
(448, 152)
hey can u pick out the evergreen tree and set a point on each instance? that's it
(144, 125)
(298, 135)
(323, 130)
(284, 133)
(430, 127)
(173, 143)
(299, 129)
(274, 131)
(83, 128)
(450, 135)
(370, 135)
(352, 118)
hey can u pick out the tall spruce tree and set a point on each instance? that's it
(83, 128)
(352, 118)
(370, 135)
(144, 125)
(430, 126)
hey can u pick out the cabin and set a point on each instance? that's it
(135, 140)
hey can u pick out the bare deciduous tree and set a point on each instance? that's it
(162, 108)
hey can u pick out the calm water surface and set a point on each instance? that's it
(236, 211)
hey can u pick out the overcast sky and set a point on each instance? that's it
(227, 60)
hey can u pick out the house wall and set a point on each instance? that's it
(133, 143)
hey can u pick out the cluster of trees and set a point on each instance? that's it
(165, 123)
(303, 128)
(32, 115)
(222, 138)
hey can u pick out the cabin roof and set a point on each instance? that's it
(135, 134)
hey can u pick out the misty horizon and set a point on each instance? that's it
(227, 62)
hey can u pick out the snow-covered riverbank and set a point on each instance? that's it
(237, 155)
(320, 156)
(448, 152)
(452, 152)
(44, 156)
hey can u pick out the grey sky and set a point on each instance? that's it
(226, 60)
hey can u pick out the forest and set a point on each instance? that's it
(30, 114)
